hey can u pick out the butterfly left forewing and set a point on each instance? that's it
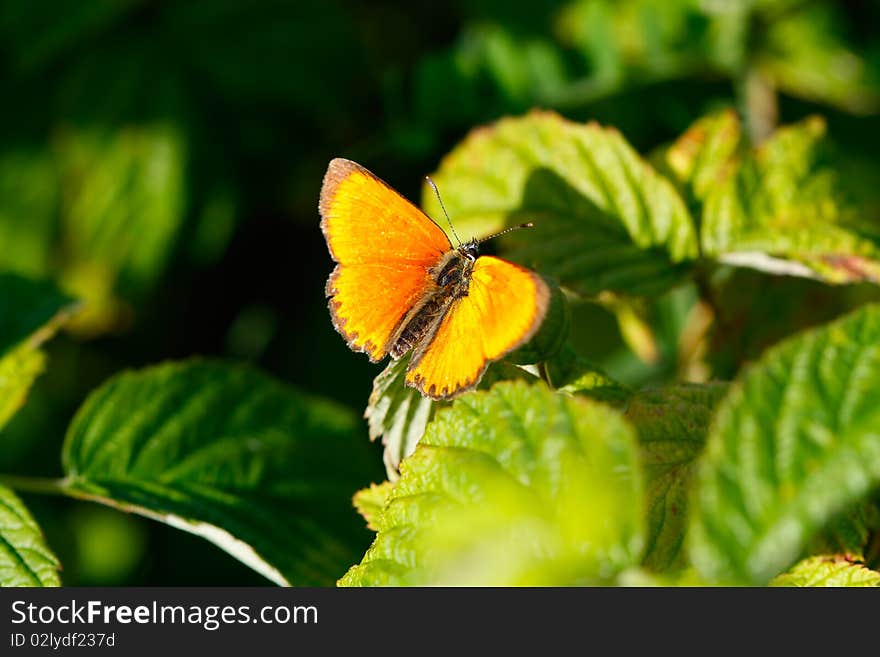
(503, 309)
(384, 247)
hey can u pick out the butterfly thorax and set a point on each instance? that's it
(451, 278)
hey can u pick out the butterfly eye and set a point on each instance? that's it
(471, 250)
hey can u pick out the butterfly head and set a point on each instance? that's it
(470, 250)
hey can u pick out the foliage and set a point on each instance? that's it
(697, 408)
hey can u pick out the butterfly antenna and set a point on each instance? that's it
(507, 230)
(443, 207)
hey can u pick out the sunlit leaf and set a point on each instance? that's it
(704, 156)
(786, 212)
(793, 445)
(25, 559)
(604, 219)
(827, 571)
(370, 502)
(30, 313)
(515, 485)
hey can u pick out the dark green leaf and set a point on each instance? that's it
(672, 424)
(26, 306)
(227, 453)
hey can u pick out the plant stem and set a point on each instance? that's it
(43, 485)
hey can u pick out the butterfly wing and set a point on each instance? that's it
(384, 247)
(504, 307)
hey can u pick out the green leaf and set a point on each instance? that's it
(369, 502)
(229, 454)
(828, 571)
(672, 424)
(786, 211)
(848, 534)
(26, 306)
(604, 219)
(515, 485)
(569, 372)
(18, 371)
(793, 445)
(25, 559)
(397, 414)
(30, 313)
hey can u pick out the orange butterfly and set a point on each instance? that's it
(400, 285)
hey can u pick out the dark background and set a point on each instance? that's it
(162, 160)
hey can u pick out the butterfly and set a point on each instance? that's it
(400, 286)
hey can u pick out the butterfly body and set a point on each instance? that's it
(452, 278)
(400, 286)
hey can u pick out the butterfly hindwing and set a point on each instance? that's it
(504, 307)
(384, 247)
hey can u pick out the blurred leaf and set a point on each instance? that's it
(792, 445)
(527, 71)
(28, 207)
(704, 156)
(30, 313)
(604, 220)
(847, 535)
(827, 571)
(370, 502)
(784, 211)
(398, 414)
(633, 38)
(516, 485)
(229, 454)
(806, 55)
(672, 423)
(25, 559)
(123, 205)
(18, 371)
